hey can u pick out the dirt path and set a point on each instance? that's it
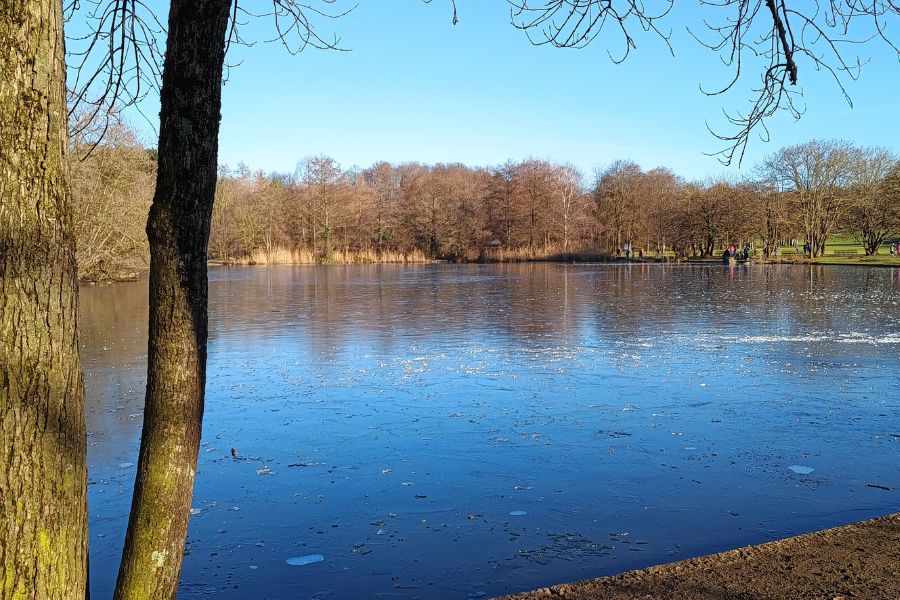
(860, 561)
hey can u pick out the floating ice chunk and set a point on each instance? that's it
(254, 567)
(517, 513)
(299, 561)
(125, 465)
(264, 471)
(195, 512)
(800, 469)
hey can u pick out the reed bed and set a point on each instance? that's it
(302, 256)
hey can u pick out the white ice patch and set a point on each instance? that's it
(800, 469)
(299, 561)
(841, 338)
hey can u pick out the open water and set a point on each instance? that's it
(448, 431)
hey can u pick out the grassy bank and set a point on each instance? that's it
(879, 260)
(839, 250)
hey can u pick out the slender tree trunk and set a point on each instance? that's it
(43, 480)
(178, 231)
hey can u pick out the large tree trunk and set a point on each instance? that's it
(178, 232)
(43, 481)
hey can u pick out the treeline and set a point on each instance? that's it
(528, 210)
(537, 209)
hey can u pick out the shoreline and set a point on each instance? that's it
(881, 262)
(861, 560)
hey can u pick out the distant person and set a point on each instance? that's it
(618, 253)
(746, 253)
(806, 249)
(726, 256)
(732, 249)
(641, 254)
(892, 251)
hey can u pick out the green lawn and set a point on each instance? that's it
(835, 248)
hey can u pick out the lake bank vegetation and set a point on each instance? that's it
(125, 55)
(800, 198)
(112, 185)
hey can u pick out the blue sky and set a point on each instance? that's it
(416, 88)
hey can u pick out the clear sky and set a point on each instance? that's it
(413, 87)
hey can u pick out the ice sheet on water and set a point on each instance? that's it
(299, 561)
(517, 513)
(800, 469)
(853, 337)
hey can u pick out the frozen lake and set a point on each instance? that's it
(450, 431)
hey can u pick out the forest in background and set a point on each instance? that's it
(527, 210)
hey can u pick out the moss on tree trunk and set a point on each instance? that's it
(43, 482)
(178, 232)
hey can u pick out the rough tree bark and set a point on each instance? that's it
(178, 232)
(43, 481)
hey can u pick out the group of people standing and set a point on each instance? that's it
(732, 252)
(630, 253)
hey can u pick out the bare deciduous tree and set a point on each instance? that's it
(385, 184)
(662, 193)
(617, 192)
(325, 186)
(815, 174)
(568, 209)
(873, 214)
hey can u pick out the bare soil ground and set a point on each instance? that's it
(860, 561)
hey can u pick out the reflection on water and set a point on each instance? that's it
(457, 431)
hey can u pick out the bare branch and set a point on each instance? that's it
(818, 31)
(770, 37)
(576, 23)
(116, 55)
(454, 20)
